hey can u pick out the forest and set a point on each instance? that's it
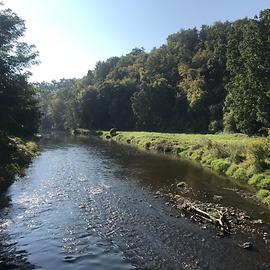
(207, 80)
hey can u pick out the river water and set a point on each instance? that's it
(88, 204)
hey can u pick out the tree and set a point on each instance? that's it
(247, 103)
(19, 112)
(153, 105)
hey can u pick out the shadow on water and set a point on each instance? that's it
(85, 203)
(163, 172)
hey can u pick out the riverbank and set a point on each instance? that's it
(241, 158)
(121, 208)
(15, 156)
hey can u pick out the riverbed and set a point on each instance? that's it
(89, 204)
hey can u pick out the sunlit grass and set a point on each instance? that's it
(242, 158)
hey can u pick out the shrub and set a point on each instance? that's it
(251, 170)
(216, 149)
(180, 149)
(264, 183)
(267, 200)
(183, 154)
(197, 156)
(15, 155)
(255, 179)
(160, 148)
(196, 146)
(231, 170)
(241, 175)
(263, 194)
(236, 154)
(168, 149)
(257, 156)
(207, 159)
(113, 132)
(214, 126)
(220, 165)
(147, 145)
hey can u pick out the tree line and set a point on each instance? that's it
(207, 80)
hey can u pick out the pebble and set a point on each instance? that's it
(246, 245)
(257, 221)
(218, 198)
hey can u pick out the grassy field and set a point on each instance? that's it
(243, 159)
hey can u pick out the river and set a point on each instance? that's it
(89, 204)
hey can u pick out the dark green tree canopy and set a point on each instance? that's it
(202, 80)
(19, 114)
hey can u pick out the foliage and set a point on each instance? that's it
(19, 114)
(200, 81)
(220, 165)
(248, 61)
(264, 195)
(264, 183)
(255, 179)
(19, 107)
(15, 155)
(208, 150)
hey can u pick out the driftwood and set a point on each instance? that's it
(219, 221)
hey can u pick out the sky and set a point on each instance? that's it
(72, 35)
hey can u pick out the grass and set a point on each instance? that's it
(244, 159)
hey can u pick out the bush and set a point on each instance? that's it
(262, 194)
(267, 200)
(196, 146)
(207, 159)
(255, 179)
(181, 149)
(236, 154)
(216, 149)
(231, 170)
(147, 145)
(220, 165)
(264, 183)
(197, 156)
(241, 175)
(214, 126)
(15, 155)
(257, 155)
(113, 132)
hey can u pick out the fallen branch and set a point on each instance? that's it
(220, 222)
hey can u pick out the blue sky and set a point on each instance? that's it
(72, 35)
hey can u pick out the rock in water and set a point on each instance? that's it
(246, 245)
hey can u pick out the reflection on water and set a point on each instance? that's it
(86, 204)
